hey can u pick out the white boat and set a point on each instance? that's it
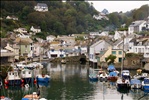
(135, 84)
(123, 82)
(141, 76)
(27, 76)
(145, 85)
(13, 78)
(103, 76)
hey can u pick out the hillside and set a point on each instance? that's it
(64, 17)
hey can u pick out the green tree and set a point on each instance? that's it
(110, 59)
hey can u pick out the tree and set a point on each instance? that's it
(110, 59)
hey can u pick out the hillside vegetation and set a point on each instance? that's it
(64, 18)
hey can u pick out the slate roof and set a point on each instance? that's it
(42, 4)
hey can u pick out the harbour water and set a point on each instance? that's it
(70, 82)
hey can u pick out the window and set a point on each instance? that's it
(52, 50)
(61, 50)
(119, 52)
(114, 52)
(120, 60)
(61, 55)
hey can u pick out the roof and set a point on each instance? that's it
(136, 23)
(23, 41)
(42, 4)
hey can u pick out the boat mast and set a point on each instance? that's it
(122, 64)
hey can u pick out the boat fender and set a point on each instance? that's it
(123, 80)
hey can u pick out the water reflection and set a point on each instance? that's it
(71, 82)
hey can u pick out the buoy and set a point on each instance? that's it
(35, 81)
(6, 82)
(6, 87)
(22, 81)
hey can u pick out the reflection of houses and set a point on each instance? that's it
(41, 7)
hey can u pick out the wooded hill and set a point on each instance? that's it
(64, 18)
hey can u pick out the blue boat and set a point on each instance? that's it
(43, 78)
(93, 77)
(111, 68)
(135, 84)
(145, 84)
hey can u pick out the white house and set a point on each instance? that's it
(104, 33)
(41, 7)
(50, 38)
(20, 30)
(100, 16)
(119, 34)
(139, 46)
(136, 26)
(12, 17)
(96, 49)
(35, 29)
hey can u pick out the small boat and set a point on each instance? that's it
(124, 80)
(13, 78)
(93, 77)
(4, 98)
(111, 68)
(135, 84)
(145, 84)
(141, 76)
(27, 76)
(63, 61)
(113, 76)
(103, 76)
(43, 78)
(33, 96)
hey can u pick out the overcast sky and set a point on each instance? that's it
(117, 6)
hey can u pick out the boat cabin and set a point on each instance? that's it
(12, 75)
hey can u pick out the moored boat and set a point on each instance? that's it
(43, 78)
(135, 84)
(145, 84)
(93, 77)
(113, 76)
(124, 80)
(13, 78)
(103, 76)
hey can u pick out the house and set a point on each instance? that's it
(136, 26)
(12, 17)
(37, 49)
(118, 44)
(25, 46)
(100, 16)
(115, 52)
(140, 45)
(7, 52)
(20, 30)
(41, 7)
(119, 35)
(85, 36)
(35, 29)
(104, 33)
(95, 49)
(50, 38)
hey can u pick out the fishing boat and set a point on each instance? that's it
(33, 96)
(43, 78)
(135, 84)
(13, 78)
(111, 68)
(27, 76)
(145, 84)
(124, 80)
(113, 76)
(103, 76)
(141, 76)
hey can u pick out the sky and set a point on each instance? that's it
(117, 6)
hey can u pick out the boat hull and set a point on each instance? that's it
(112, 78)
(136, 86)
(28, 80)
(93, 79)
(40, 79)
(14, 82)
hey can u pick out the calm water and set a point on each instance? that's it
(70, 82)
